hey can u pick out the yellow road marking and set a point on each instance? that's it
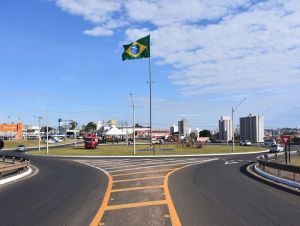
(150, 171)
(100, 212)
(137, 188)
(173, 214)
(136, 204)
(135, 179)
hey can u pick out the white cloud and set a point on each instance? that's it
(164, 12)
(96, 11)
(221, 47)
(99, 31)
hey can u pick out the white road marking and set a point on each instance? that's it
(128, 165)
(230, 162)
(145, 164)
(172, 164)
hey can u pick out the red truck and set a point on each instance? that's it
(90, 141)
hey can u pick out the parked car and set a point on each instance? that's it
(50, 141)
(21, 148)
(160, 141)
(276, 148)
(269, 142)
(57, 139)
(245, 143)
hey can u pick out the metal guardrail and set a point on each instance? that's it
(264, 162)
(14, 164)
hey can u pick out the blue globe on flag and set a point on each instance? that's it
(135, 49)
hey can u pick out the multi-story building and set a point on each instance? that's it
(183, 128)
(197, 131)
(252, 128)
(225, 128)
(11, 131)
(173, 129)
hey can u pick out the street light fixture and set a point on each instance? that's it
(232, 126)
(133, 118)
(39, 127)
(47, 135)
(47, 149)
(258, 124)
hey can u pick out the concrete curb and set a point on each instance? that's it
(276, 179)
(16, 177)
(150, 156)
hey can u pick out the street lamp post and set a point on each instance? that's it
(39, 127)
(232, 111)
(133, 119)
(47, 144)
(258, 125)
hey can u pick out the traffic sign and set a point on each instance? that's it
(286, 139)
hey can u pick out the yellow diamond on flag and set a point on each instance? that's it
(135, 49)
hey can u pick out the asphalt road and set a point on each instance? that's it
(219, 194)
(62, 193)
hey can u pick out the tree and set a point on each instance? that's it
(91, 126)
(44, 129)
(1, 144)
(204, 133)
(138, 126)
(193, 136)
(73, 124)
(296, 140)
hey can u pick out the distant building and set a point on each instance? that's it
(225, 128)
(183, 128)
(173, 129)
(11, 131)
(60, 126)
(197, 131)
(252, 128)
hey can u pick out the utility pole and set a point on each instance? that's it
(133, 119)
(65, 125)
(258, 124)
(39, 126)
(232, 111)
(126, 124)
(47, 135)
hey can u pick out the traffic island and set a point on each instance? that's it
(146, 150)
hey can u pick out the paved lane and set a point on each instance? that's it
(62, 193)
(221, 194)
(138, 192)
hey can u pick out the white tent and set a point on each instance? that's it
(114, 132)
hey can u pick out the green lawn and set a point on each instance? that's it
(28, 143)
(128, 150)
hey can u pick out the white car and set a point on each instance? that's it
(57, 139)
(21, 148)
(269, 142)
(50, 141)
(276, 148)
(245, 143)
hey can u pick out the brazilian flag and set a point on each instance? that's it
(137, 50)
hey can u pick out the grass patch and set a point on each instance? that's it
(295, 161)
(114, 150)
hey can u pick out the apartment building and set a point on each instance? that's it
(252, 128)
(225, 128)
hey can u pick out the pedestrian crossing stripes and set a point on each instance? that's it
(139, 183)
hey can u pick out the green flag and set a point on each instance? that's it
(137, 50)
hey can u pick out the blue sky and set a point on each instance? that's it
(64, 56)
